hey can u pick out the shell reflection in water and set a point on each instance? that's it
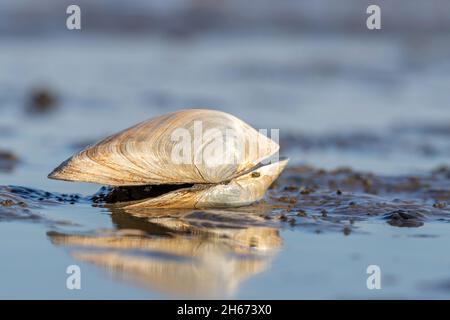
(181, 253)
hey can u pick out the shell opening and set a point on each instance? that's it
(135, 193)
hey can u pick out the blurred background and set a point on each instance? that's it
(341, 95)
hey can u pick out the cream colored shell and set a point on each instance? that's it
(143, 154)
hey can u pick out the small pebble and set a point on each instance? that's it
(306, 191)
(255, 174)
(287, 199)
(41, 101)
(8, 156)
(7, 203)
(290, 188)
(347, 230)
(301, 213)
(440, 205)
(8, 160)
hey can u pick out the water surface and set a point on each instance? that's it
(374, 107)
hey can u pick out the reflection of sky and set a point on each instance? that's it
(329, 266)
(307, 267)
(33, 269)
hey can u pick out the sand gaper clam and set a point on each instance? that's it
(193, 158)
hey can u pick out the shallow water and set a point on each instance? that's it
(374, 106)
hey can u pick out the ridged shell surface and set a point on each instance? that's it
(220, 148)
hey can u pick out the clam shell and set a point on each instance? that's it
(143, 154)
